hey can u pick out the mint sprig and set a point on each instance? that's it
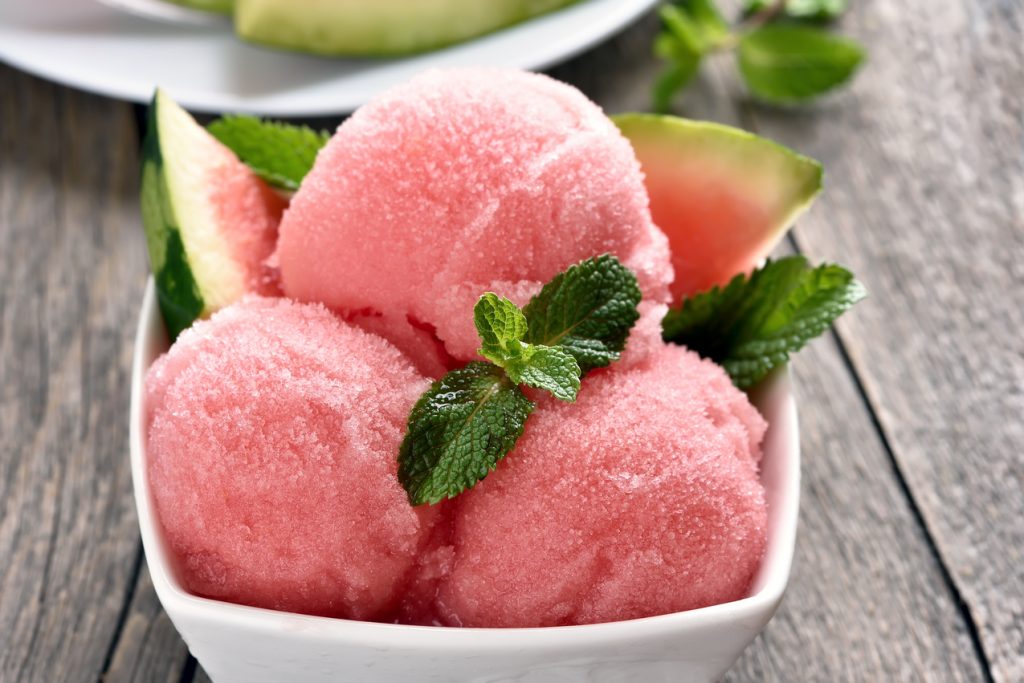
(502, 326)
(472, 417)
(784, 51)
(280, 153)
(588, 311)
(752, 325)
(458, 431)
(818, 11)
(549, 368)
(788, 63)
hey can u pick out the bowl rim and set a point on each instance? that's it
(757, 608)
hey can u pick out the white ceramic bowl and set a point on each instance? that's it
(252, 645)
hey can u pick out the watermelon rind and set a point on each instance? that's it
(379, 28)
(190, 259)
(215, 6)
(723, 196)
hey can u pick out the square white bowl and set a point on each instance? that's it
(253, 645)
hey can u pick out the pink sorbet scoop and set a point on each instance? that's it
(642, 498)
(273, 431)
(462, 181)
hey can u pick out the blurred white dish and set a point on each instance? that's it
(246, 644)
(88, 45)
(169, 12)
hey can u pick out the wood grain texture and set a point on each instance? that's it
(912, 495)
(148, 649)
(925, 201)
(71, 268)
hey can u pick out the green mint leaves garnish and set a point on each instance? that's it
(752, 325)
(788, 64)
(799, 10)
(280, 153)
(549, 368)
(784, 50)
(472, 417)
(692, 29)
(588, 311)
(502, 326)
(458, 431)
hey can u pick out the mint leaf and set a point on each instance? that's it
(691, 29)
(501, 326)
(674, 77)
(788, 63)
(800, 10)
(280, 153)
(587, 310)
(471, 418)
(696, 23)
(752, 325)
(549, 368)
(458, 431)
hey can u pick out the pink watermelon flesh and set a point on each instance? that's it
(724, 197)
(248, 213)
(704, 257)
(272, 433)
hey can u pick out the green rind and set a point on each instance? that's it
(357, 28)
(177, 290)
(676, 131)
(215, 6)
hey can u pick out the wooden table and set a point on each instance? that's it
(909, 561)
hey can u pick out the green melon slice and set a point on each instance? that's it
(217, 6)
(378, 27)
(723, 196)
(210, 222)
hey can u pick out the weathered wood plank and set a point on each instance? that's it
(925, 201)
(149, 649)
(71, 268)
(201, 676)
(868, 600)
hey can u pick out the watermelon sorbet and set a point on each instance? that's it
(273, 428)
(641, 498)
(272, 434)
(464, 181)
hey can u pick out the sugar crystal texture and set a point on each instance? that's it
(248, 213)
(417, 342)
(642, 498)
(272, 437)
(463, 181)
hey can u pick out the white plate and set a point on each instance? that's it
(87, 45)
(242, 644)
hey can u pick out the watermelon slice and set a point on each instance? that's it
(723, 196)
(218, 6)
(377, 28)
(211, 223)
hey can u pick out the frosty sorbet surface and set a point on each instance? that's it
(642, 498)
(273, 429)
(464, 181)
